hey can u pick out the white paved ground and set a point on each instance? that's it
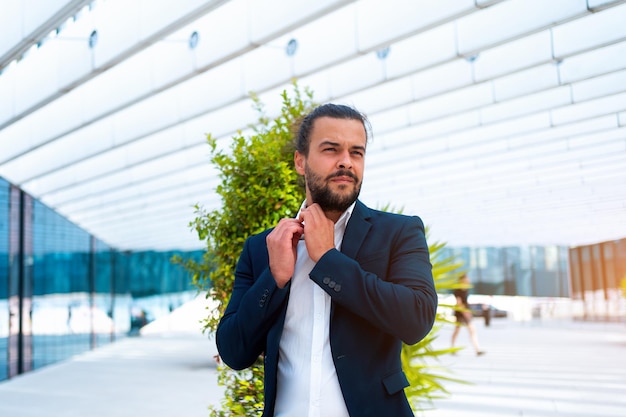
(532, 369)
(539, 369)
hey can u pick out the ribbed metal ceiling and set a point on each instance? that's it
(498, 122)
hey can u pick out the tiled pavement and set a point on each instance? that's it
(539, 369)
(531, 369)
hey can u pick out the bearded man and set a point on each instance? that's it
(329, 296)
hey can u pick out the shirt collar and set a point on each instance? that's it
(343, 219)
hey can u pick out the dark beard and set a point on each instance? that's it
(325, 197)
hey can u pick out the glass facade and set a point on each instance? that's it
(4, 278)
(62, 316)
(63, 291)
(533, 271)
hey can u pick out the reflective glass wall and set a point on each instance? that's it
(62, 313)
(4, 278)
(153, 284)
(63, 291)
(533, 271)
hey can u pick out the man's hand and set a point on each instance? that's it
(319, 231)
(282, 243)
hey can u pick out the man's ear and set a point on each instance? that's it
(299, 161)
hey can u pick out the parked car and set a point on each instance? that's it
(478, 310)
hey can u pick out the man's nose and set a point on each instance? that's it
(344, 160)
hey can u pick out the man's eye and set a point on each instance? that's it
(329, 150)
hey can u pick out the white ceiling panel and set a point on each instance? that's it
(27, 22)
(511, 19)
(582, 34)
(423, 50)
(498, 122)
(460, 100)
(11, 21)
(442, 78)
(380, 23)
(593, 63)
(527, 81)
(603, 85)
(513, 56)
(528, 104)
(268, 15)
(397, 91)
(588, 109)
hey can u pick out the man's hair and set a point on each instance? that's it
(335, 111)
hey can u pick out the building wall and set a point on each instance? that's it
(532, 271)
(63, 291)
(597, 272)
(4, 278)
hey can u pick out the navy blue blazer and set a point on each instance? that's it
(382, 293)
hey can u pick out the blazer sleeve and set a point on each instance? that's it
(389, 284)
(254, 306)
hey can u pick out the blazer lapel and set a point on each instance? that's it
(356, 230)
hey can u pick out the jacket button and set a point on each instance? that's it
(337, 288)
(332, 284)
(326, 280)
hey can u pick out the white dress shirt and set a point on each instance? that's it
(307, 379)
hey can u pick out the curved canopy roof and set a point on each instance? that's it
(499, 122)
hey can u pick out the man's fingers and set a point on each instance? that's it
(286, 228)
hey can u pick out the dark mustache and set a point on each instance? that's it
(343, 173)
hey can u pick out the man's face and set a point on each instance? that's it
(333, 170)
